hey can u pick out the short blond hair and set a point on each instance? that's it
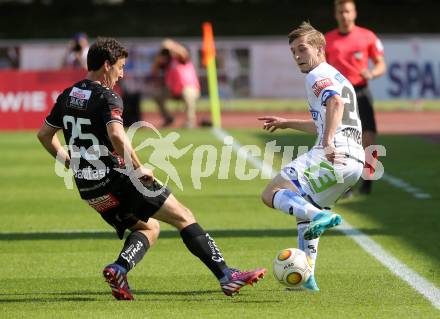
(313, 37)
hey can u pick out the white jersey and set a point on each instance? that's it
(323, 82)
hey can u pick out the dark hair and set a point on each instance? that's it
(104, 49)
(165, 53)
(340, 2)
(77, 47)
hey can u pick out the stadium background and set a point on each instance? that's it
(252, 59)
(159, 18)
(46, 234)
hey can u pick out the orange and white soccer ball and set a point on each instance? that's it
(291, 267)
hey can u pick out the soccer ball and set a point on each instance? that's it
(291, 267)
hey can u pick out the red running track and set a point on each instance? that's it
(425, 123)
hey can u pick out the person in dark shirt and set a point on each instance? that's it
(106, 169)
(349, 49)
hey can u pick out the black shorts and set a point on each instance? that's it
(366, 111)
(123, 206)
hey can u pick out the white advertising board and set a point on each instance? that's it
(274, 73)
(264, 67)
(413, 69)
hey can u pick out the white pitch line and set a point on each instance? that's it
(264, 167)
(405, 186)
(419, 283)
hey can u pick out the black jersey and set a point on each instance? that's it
(83, 111)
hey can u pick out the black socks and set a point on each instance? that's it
(135, 247)
(200, 244)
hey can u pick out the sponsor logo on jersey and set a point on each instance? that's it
(353, 134)
(91, 174)
(103, 203)
(95, 187)
(339, 77)
(79, 98)
(320, 85)
(116, 114)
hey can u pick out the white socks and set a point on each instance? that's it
(293, 204)
(310, 247)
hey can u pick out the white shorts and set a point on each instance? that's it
(320, 180)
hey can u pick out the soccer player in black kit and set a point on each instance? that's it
(90, 115)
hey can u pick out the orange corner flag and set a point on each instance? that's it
(208, 47)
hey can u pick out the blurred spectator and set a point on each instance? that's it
(349, 49)
(132, 102)
(176, 78)
(76, 55)
(9, 57)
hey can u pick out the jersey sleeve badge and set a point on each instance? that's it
(116, 114)
(319, 85)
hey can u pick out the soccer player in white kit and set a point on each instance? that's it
(311, 184)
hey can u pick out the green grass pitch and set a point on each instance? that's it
(53, 247)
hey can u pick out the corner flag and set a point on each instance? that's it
(208, 55)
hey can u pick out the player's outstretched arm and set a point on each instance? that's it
(48, 138)
(272, 123)
(123, 146)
